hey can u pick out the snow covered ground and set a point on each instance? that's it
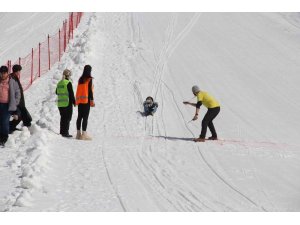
(249, 61)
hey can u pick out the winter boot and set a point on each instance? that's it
(213, 138)
(67, 135)
(199, 139)
(78, 135)
(84, 136)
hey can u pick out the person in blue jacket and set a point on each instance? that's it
(150, 106)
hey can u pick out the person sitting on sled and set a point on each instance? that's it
(150, 106)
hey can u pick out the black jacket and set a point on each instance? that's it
(151, 106)
(71, 94)
(91, 96)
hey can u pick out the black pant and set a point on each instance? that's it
(65, 118)
(13, 124)
(83, 115)
(23, 115)
(207, 121)
(4, 122)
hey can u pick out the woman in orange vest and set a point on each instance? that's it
(84, 100)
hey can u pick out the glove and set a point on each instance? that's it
(92, 103)
(195, 117)
(16, 117)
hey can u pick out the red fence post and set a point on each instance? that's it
(39, 59)
(31, 66)
(65, 36)
(72, 24)
(8, 65)
(20, 65)
(69, 28)
(49, 50)
(77, 19)
(59, 45)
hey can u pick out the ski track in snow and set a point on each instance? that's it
(133, 163)
(158, 75)
(166, 52)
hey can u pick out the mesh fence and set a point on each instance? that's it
(47, 53)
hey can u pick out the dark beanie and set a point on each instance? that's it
(3, 69)
(149, 97)
(87, 69)
(16, 68)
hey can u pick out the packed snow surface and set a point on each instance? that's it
(250, 62)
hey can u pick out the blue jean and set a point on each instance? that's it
(4, 122)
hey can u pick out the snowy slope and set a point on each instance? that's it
(248, 61)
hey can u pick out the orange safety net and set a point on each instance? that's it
(47, 53)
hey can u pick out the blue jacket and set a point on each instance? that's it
(150, 107)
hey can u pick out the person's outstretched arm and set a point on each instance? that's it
(188, 103)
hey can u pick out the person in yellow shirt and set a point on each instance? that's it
(213, 106)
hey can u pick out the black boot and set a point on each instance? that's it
(213, 138)
(67, 135)
(3, 139)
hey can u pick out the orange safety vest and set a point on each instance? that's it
(82, 92)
